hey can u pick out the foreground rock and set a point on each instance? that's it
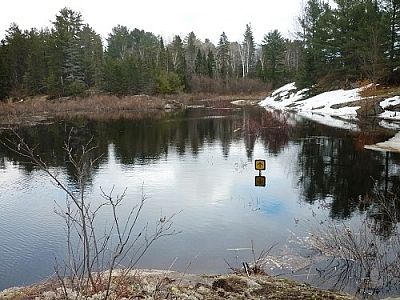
(174, 285)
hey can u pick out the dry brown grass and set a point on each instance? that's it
(100, 106)
(387, 90)
(94, 103)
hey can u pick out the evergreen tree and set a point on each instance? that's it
(162, 85)
(119, 42)
(168, 83)
(178, 60)
(391, 10)
(373, 42)
(37, 69)
(223, 57)
(67, 55)
(145, 50)
(200, 63)
(119, 64)
(162, 57)
(347, 18)
(55, 59)
(274, 48)
(92, 56)
(17, 52)
(306, 74)
(211, 64)
(117, 75)
(5, 85)
(312, 56)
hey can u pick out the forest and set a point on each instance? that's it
(335, 43)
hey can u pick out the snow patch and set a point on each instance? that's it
(328, 108)
(391, 145)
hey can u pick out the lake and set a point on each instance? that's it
(199, 166)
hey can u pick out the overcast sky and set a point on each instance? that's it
(207, 18)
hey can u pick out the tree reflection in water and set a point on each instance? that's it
(330, 169)
(365, 256)
(272, 127)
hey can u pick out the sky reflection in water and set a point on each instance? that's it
(209, 185)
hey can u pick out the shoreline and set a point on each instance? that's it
(166, 284)
(35, 110)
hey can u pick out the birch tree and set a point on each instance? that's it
(248, 50)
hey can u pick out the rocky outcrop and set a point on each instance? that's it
(173, 105)
(369, 110)
(174, 285)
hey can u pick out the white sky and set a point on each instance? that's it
(207, 18)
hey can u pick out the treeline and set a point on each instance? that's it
(349, 40)
(336, 43)
(70, 59)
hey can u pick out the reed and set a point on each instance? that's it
(365, 256)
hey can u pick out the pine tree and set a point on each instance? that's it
(37, 69)
(92, 56)
(200, 63)
(17, 53)
(347, 18)
(306, 75)
(373, 42)
(391, 10)
(223, 57)
(67, 54)
(5, 85)
(119, 42)
(178, 60)
(312, 57)
(211, 64)
(274, 48)
(162, 63)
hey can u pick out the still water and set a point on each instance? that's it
(199, 165)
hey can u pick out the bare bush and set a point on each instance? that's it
(367, 255)
(94, 255)
(245, 86)
(257, 266)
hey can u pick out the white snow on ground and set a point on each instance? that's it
(329, 120)
(391, 145)
(387, 114)
(319, 108)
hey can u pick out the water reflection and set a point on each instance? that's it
(329, 168)
(361, 255)
(200, 161)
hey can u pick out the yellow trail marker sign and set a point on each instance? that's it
(260, 164)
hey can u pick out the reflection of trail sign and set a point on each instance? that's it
(260, 164)
(260, 181)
